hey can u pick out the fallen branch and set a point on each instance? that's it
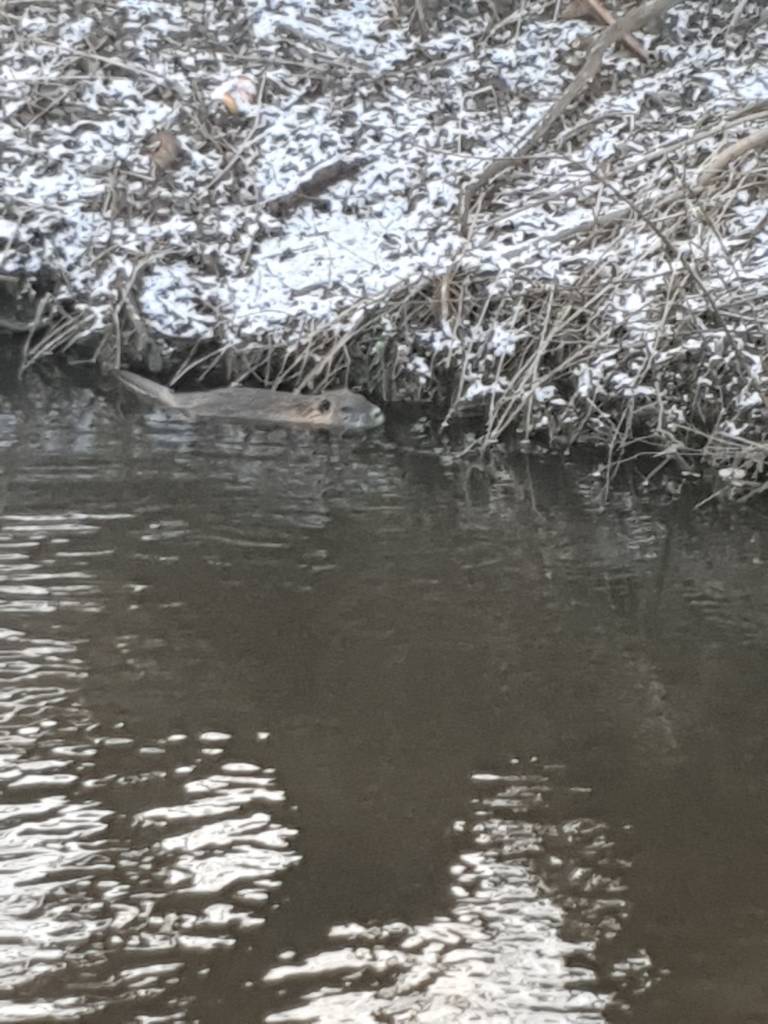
(628, 23)
(711, 167)
(313, 187)
(335, 53)
(9, 325)
(720, 160)
(585, 8)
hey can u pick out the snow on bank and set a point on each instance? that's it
(675, 280)
(326, 94)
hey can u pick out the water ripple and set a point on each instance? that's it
(532, 900)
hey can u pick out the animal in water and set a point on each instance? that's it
(338, 410)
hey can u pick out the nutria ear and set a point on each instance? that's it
(325, 405)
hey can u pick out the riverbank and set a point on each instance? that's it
(455, 208)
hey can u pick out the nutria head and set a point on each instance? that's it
(345, 410)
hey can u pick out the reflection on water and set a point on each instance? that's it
(297, 728)
(531, 901)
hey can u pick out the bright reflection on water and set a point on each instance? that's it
(307, 729)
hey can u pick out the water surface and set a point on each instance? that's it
(299, 728)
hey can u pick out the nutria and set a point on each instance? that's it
(330, 410)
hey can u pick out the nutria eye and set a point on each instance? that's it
(325, 405)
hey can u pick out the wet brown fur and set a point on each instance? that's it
(331, 410)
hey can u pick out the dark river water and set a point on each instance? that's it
(295, 728)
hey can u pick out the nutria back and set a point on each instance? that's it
(339, 409)
(331, 410)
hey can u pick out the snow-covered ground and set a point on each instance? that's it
(596, 273)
